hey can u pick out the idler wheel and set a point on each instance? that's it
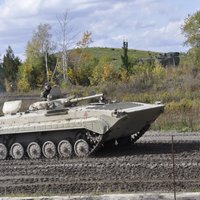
(65, 149)
(3, 151)
(34, 150)
(49, 149)
(17, 151)
(81, 148)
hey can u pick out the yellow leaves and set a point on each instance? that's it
(158, 71)
(104, 73)
(183, 105)
(24, 83)
(72, 75)
(124, 76)
(96, 75)
(86, 40)
(109, 73)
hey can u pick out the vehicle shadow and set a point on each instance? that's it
(149, 148)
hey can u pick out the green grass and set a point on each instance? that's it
(115, 54)
(178, 88)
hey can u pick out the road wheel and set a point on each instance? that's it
(34, 150)
(81, 148)
(3, 152)
(65, 149)
(17, 151)
(49, 149)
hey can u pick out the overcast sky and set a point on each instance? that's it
(153, 25)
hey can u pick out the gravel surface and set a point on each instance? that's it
(145, 166)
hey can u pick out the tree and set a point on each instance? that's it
(81, 62)
(104, 71)
(24, 83)
(65, 41)
(191, 31)
(10, 69)
(40, 46)
(40, 61)
(83, 44)
(124, 57)
(1, 75)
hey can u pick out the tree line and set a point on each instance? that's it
(50, 61)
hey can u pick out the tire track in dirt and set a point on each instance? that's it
(144, 166)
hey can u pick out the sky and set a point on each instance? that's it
(152, 25)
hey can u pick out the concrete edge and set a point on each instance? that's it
(136, 196)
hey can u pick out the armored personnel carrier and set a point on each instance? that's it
(61, 128)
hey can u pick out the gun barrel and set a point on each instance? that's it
(86, 98)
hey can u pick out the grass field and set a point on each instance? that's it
(115, 54)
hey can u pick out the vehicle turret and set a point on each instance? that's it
(61, 103)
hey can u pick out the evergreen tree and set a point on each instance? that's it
(10, 69)
(124, 57)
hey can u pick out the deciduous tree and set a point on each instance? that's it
(65, 43)
(39, 59)
(191, 31)
(81, 61)
(41, 45)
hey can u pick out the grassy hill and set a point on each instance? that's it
(115, 54)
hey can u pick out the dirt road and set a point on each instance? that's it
(145, 166)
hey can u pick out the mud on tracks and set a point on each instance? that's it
(141, 167)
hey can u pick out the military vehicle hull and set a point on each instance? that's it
(75, 130)
(133, 117)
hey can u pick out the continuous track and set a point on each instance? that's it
(144, 166)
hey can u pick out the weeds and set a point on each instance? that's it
(178, 88)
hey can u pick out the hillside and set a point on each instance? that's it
(115, 54)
